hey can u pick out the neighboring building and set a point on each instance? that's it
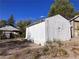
(8, 31)
(52, 28)
(75, 26)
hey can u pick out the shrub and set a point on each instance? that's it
(62, 52)
(54, 49)
(49, 42)
(35, 54)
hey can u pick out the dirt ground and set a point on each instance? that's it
(25, 50)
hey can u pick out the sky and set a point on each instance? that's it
(24, 9)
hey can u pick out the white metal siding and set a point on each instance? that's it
(36, 33)
(58, 28)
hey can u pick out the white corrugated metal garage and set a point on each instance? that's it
(56, 27)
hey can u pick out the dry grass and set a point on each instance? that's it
(55, 49)
(52, 49)
(72, 42)
(75, 50)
